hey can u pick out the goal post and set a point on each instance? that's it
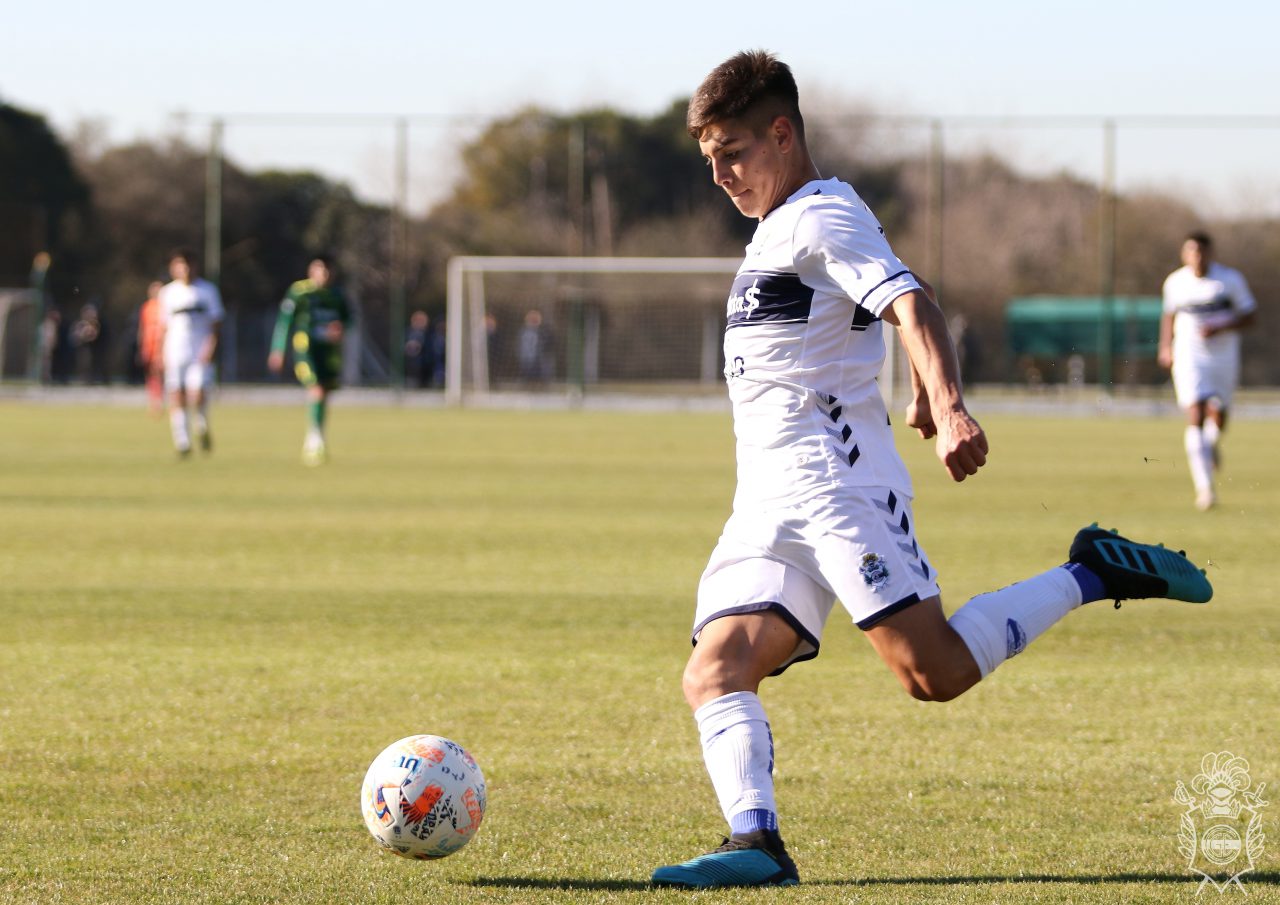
(561, 328)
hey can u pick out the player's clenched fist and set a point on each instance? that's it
(961, 445)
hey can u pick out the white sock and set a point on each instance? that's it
(1211, 433)
(178, 428)
(1199, 458)
(998, 625)
(737, 748)
(202, 418)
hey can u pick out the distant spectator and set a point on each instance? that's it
(418, 360)
(439, 343)
(89, 338)
(55, 348)
(492, 339)
(533, 349)
(966, 343)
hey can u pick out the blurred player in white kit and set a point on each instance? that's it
(1206, 305)
(191, 314)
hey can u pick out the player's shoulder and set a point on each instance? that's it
(171, 293)
(299, 288)
(832, 216)
(1224, 273)
(828, 197)
(1183, 277)
(835, 203)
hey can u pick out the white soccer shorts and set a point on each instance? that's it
(1203, 380)
(187, 374)
(798, 561)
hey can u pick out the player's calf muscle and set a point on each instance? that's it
(936, 682)
(930, 660)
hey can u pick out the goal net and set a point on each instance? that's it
(565, 328)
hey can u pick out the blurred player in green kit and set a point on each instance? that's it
(313, 317)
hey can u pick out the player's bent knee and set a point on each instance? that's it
(937, 684)
(708, 677)
(710, 674)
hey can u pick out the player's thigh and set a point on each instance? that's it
(736, 652)
(865, 546)
(197, 377)
(745, 578)
(326, 359)
(175, 368)
(1197, 383)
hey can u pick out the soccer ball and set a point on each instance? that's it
(423, 797)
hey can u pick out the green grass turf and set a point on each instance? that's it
(198, 661)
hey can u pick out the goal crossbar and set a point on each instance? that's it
(463, 268)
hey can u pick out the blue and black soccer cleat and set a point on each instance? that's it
(744, 859)
(1130, 571)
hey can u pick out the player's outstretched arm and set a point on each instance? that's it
(961, 444)
(210, 344)
(919, 415)
(1164, 350)
(280, 333)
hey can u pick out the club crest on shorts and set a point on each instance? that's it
(873, 570)
(1221, 833)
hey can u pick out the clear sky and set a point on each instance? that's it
(131, 64)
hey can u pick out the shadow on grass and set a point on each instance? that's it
(1262, 878)
(561, 884)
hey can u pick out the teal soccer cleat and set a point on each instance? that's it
(1129, 570)
(748, 859)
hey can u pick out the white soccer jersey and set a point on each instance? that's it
(188, 312)
(1218, 297)
(803, 347)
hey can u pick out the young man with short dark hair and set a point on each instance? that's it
(823, 504)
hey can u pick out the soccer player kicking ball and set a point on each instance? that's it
(313, 317)
(1206, 306)
(190, 317)
(823, 504)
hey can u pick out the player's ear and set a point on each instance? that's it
(783, 133)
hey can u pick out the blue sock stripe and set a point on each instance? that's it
(1091, 586)
(752, 820)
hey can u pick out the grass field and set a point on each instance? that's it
(198, 661)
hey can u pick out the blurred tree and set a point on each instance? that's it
(595, 182)
(44, 202)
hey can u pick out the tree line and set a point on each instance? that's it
(591, 182)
